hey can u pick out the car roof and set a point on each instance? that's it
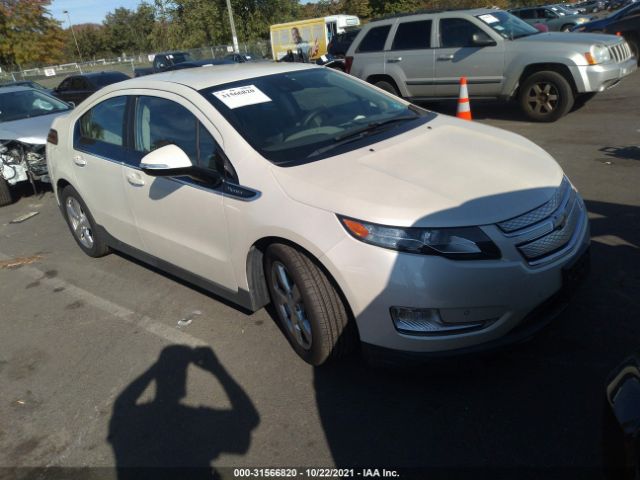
(473, 11)
(16, 88)
(98, 74)
(200, 78)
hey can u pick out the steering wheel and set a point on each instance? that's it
(312, 115)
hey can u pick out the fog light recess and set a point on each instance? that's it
(427, 321)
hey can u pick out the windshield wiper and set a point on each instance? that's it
(358, 133)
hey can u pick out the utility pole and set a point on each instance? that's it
(74, 39)
(236, 48)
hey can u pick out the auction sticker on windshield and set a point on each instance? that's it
(241, 96)
(488, 18)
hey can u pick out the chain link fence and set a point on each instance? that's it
(51, 76)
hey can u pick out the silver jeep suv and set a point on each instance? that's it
(423, 56)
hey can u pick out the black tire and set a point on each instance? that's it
(5, 193)
(546, 96)
(387, 87)
(566, 28)
(326, 333)
(88, 228)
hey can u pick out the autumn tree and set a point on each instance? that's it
(28, 34)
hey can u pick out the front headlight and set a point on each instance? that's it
(597, 54)
(466, 243)
(582, 20)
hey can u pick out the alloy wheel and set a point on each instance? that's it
(290, 305)
(79, 222)
(543, 98)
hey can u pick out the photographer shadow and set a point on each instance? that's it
(165, 438)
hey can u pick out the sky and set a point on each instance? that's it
(90, 11)
(87, 11)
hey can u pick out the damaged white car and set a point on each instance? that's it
(25, 117)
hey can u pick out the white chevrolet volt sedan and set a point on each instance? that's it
(365, 220)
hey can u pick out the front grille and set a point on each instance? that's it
(620, 52)
(543, 233)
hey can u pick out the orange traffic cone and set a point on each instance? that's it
(464, 108)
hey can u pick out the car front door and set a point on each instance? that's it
(181, 220)
(459, 55)
(413, 58)
(99, 148)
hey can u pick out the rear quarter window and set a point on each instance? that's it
(374, 39)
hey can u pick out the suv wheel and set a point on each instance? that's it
(309, 309)
(546, 96)
(566, 28)
(387, 87)
(81, 223)
(5, 193)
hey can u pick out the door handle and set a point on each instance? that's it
(445, 57)
(394, 60)
(78, 160)
(135, 179)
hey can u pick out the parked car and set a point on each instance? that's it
(423, 56)
(625, 22)
(75, 88)
(25, 117)
(555, 19)
(25, 83)
(592, 6)
(198, 63)
(163, 61)
(361, 217)
(563, 8)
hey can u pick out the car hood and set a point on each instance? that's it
(32, 130)
(596, 24)
(446, 173)
(570, 39)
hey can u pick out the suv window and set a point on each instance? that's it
(104, 123)
(457, 32)
(527, 14)
(412, 36)
(374, 40)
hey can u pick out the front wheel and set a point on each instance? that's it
(81, 223)
(5, 193)
(309, 308)
(546, 96)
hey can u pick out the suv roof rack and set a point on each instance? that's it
(423, 11)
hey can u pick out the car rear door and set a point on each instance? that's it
(99, 150)
(181, 220)
(458, 56)
(411, 57)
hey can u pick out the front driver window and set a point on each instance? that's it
(104, 122)
(457, 33)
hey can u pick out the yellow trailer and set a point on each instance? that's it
(308, 39)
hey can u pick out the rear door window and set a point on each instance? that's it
(374, 39)
(413, 36)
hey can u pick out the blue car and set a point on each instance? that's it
(599, 26)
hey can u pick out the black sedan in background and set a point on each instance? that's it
(76, 88)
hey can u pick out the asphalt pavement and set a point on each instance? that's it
(106, 362)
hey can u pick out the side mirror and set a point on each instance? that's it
(172, 161)
(482, 40)
(167, 161)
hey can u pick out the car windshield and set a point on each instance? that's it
(507, 25)
(624, 11)
(28, 103)
(105, 79)
(302, 116)
(178, 57)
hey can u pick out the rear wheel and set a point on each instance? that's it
(387, 87)
(546, 96)
(309, 308)
(566, 28)
(5, 193)
(81, 223)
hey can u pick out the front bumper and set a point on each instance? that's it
(597, 78)
(504, 291)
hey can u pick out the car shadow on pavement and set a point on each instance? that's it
(165, 438)
(25, 190)
(631, 152)
(532, 410)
